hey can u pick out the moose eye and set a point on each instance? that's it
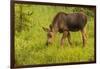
(49, 35)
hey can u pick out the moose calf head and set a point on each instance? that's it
(50, 35)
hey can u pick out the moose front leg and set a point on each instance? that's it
(65, 33)
(84, 36)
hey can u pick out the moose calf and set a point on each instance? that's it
(64, 23)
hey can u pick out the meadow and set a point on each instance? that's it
(30, 38)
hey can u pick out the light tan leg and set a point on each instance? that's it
(63, 37)
(84, 37)
(69, 38)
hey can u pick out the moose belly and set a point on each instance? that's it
(74, 27)
(61, 30)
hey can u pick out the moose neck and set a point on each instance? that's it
(54, 29)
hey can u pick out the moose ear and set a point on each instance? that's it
(50, 26)
(45, 29)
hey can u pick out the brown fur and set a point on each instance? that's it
(64, 23)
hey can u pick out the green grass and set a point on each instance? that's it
(30, 45)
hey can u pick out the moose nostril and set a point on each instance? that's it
(46, 43)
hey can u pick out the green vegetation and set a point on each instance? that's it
(30, 38)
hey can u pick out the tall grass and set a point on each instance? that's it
(30, 45)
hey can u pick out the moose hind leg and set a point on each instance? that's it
(84, 37)
(69, 38)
